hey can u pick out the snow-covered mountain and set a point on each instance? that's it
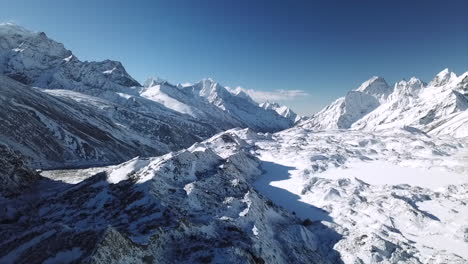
(95, 112)
(438, 108)
(58, 128)
(378, 176)
(211, 102)
(33, 59)
(342, 113)
(282, 110)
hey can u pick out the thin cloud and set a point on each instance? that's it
(272, 96)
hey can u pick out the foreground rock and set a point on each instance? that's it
(192, 206)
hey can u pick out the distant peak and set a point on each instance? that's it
(443, 72)
(375, 86)
(371, 82)
(11, 25)
(205, 83)
(153, 81)
(11, 28)
(443, 77)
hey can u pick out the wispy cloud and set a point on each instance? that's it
(272, 96)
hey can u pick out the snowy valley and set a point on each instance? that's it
(97, 168)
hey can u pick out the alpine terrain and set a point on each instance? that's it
(98, 168)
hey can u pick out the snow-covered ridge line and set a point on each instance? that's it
(33, 59)
(221, 106)
(79, 112)
(438, 108)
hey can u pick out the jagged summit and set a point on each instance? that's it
(281, 110)
(153, 81)
(216, 104)
(34, 59)
(376, 87)
(443, 78)
(376, 105)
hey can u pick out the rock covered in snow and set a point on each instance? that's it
(281, 110)
(211, 203)
(34, 59)
(191, 206)
(376, 87)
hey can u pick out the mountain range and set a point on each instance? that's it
(437, 108)
(98, 168)
(60, 111)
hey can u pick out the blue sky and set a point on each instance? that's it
(319, 49)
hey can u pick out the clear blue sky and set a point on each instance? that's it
(322, 47)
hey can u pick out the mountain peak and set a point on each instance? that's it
(269, 105)
(372, 81)
(443, 77)
(375, 86)
(11, 28)
(153, 81)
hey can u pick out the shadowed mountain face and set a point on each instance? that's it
(15, 176)
(57, 131)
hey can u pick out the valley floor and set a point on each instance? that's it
(392, 196)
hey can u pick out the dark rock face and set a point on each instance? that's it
(14, 175)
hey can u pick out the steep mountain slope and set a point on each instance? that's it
(282, 110)
(427, 107)
(14, 174)
(342, 113)
(438, 108)
(65, 128)
(211, 102)
(33, 59)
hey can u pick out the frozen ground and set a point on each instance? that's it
(394, 196)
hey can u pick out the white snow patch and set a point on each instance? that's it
(382, 172)
(66, 256)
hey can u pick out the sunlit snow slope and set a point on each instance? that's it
(438, 108)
